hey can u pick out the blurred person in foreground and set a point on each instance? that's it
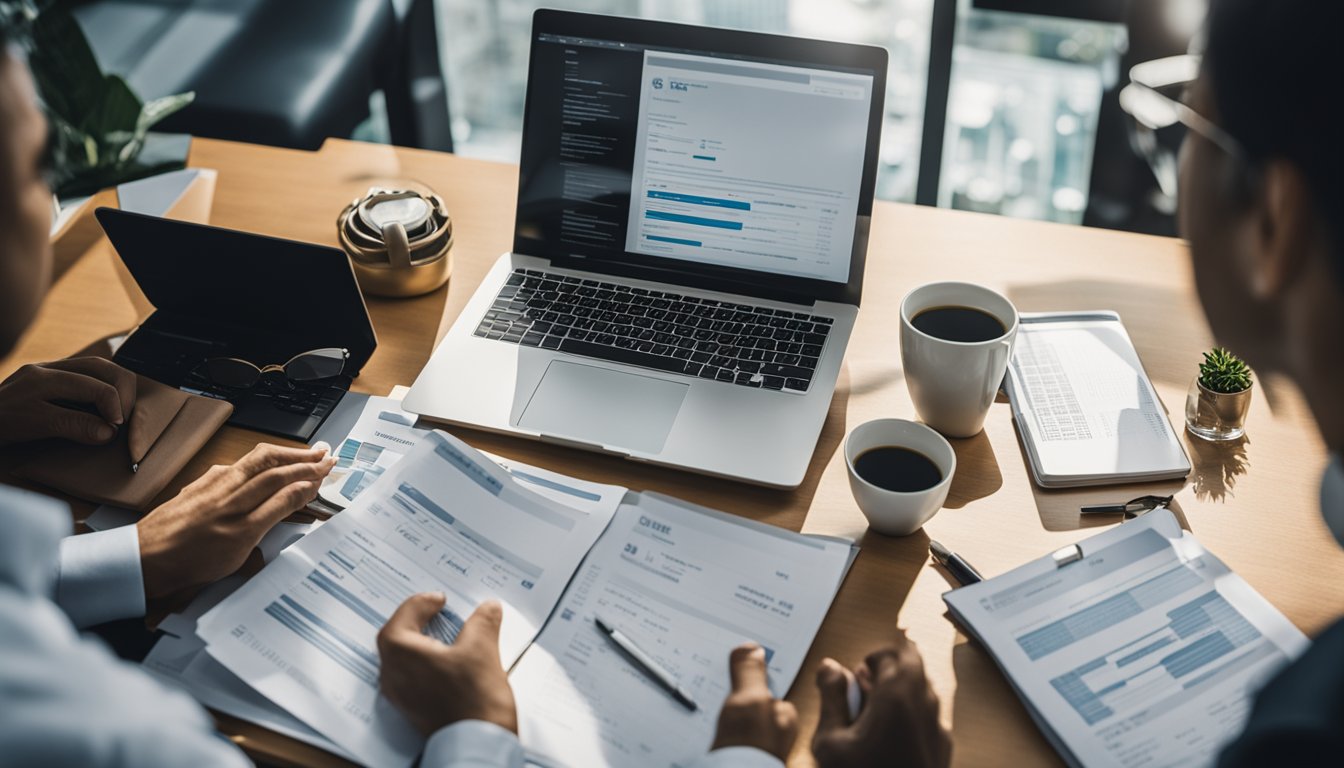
(1262, 204)
(66, 700)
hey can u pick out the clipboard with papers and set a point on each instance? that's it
(1137, 647)
(686, 584)
(1084, 406)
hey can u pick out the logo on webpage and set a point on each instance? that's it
(658, 83)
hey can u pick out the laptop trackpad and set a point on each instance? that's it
(599, 405)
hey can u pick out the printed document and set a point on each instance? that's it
(1147, 651)
(381, 437)
(179, 659)
(303, 631)
(687, 585)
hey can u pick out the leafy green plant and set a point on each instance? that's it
(1224, 372)
(98, 124)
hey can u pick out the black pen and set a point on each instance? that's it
(645, 663)
(961, 570)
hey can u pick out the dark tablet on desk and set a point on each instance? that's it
(224, 293)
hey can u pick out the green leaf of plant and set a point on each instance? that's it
(117, 110)
(1224, 372)
(157, 109)
(63, 64)
(93, 180)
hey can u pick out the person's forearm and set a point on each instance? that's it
(99, 578)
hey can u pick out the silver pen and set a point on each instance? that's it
(646, 663)
(961, 570)
(1131, 508)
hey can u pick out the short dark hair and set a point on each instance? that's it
(1275, 67)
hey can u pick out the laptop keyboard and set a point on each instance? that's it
(665, 331)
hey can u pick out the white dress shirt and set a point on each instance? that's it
(476, 744)
(98, 577)
(67, 701)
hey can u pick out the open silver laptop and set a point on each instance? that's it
(692, 219)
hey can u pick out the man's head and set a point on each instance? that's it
(1266, 225)
(25, 202)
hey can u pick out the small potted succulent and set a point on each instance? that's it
(1219, 398)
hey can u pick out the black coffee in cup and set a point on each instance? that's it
(964, 324)
(893, 468)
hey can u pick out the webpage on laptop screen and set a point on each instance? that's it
(729, 162)
(748, 165)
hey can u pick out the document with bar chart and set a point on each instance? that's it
(1144, 651)
(302, 631)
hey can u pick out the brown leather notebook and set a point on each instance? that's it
(166, 429)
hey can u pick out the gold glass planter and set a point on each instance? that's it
(1216, 416)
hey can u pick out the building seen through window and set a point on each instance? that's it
(1022, 110)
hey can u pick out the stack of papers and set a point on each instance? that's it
(302, 632)
(179, 657)
(686, 584)
(1136, 648)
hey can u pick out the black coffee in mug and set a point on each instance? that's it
(893, 468)
(964, 324)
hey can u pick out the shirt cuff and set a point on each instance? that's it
(738, 757)
(473, 744)
(100, 578)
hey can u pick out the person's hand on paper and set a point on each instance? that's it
(751, 715)
(207, 531)
(434, 684)
(899, 714)
(31, 401)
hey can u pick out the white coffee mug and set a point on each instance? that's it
(953, 383)
(898, 513)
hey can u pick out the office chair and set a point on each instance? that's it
(288, 73)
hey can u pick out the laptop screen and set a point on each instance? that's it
(674, 151)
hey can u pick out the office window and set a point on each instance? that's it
(486, 49)
(1022, 113)
(1021, 117)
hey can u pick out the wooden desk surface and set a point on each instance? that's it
(1253, 503)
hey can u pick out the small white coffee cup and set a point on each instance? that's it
(897, 513)
(953, 383)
